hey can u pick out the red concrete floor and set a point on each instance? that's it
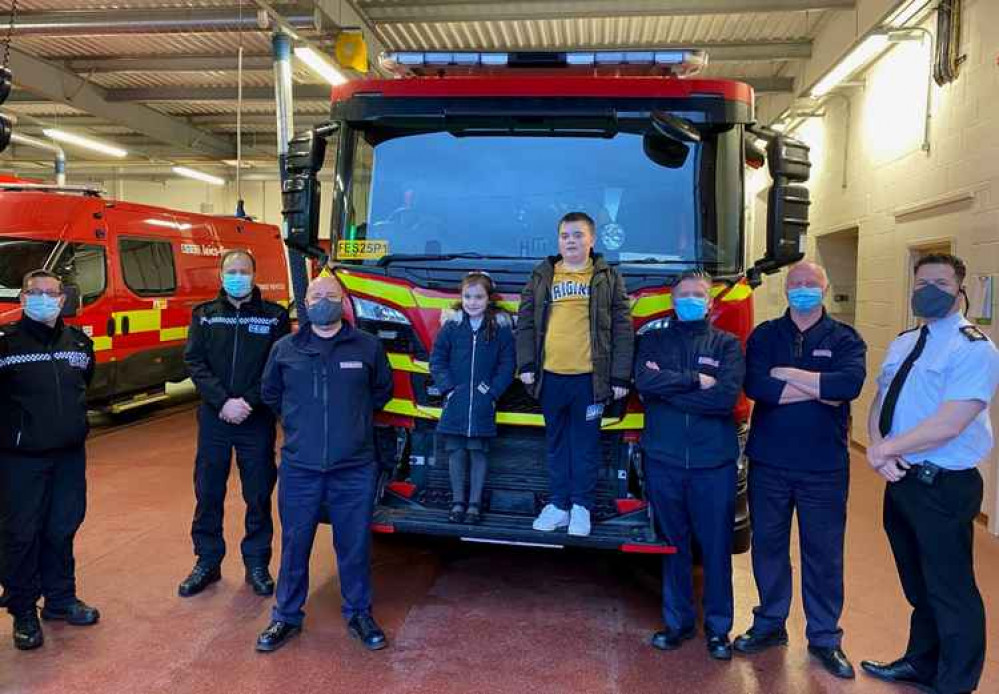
(461, 618)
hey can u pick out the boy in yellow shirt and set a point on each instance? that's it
(574, 322)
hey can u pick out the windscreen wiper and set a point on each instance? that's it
(398, 257)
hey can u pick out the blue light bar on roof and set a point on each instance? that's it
(680, 63)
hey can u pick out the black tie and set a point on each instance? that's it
(891, 399)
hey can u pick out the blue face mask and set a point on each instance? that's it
(690, 308)
(804, 299)
(237, 285)
(42, 308)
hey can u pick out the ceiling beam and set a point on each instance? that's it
(62, 86)
(169, 63)
(154, 94)
(158, 21)
(395, 12)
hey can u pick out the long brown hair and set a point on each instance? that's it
(491, 318)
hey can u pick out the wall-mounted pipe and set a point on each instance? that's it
(281, 46)
(154, 21)
(60, 154)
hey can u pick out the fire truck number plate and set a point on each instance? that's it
(361, 250)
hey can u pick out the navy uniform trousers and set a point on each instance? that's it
(573, 441)
(253, 441)
(819, 499)
(931, 532)
(43, 500)
(695, 504)
(347, 494)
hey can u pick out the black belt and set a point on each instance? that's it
(927, 472)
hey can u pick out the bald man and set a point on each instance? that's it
(802, 371)
(325, 382)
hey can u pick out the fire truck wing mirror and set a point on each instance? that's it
(664, 151)
(300, 190)
(6, 130)
(788, 159)
(71, 306)
(787, 224)
(674, 127)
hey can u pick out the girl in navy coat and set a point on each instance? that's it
(472, 364)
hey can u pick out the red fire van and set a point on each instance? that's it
(137, 271)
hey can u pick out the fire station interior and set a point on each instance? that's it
(139, 140)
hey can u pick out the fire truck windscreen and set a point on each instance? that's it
(501, 195)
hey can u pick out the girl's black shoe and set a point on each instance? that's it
(473, 515)
(457, 514)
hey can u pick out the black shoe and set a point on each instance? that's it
(260, 579)
(834, 660)
(79, 614)
(669, 640)
(28, 632)
(276, 635)
(457, 514)
(200, 578)
(719, 647)
(756, 641)
(473, 515)
(900, 672)
(364, 628)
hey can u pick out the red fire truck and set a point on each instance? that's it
(132, 274)
(467, 161)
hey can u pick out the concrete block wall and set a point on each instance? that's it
(899, 197)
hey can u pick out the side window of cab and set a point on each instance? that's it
(84, 265)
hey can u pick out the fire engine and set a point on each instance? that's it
(466, 161)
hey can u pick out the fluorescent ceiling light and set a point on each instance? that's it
(234, 164)
(198, 175)
(860, 56)
(908, 13)
(320, 65)
(85, 142)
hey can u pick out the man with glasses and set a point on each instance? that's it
(45, 368)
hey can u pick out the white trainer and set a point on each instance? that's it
(579, 523)
(551, 518)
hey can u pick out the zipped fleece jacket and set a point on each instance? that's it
(686, 426)
(612, 336)
(472, 373)
(44, 374)
(228, 347)
(327, 402)
(809, 435)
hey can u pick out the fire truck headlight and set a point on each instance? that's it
(372, 310)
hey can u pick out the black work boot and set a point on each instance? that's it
(364, 628)
(200, 578)
(28, 631)
(79, 614)
(259, 577)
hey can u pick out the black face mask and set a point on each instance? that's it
(325, 312)
(932, 302)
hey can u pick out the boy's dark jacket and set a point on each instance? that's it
(685, 425)
(471, 372)
(612, 336)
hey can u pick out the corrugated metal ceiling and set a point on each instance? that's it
(562, 33)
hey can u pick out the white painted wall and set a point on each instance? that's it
(955, 187)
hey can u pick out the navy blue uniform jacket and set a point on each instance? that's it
(327, 404)
(684, 425)
(806, 435)
(472, 373)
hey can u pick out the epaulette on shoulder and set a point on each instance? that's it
(973, 333)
